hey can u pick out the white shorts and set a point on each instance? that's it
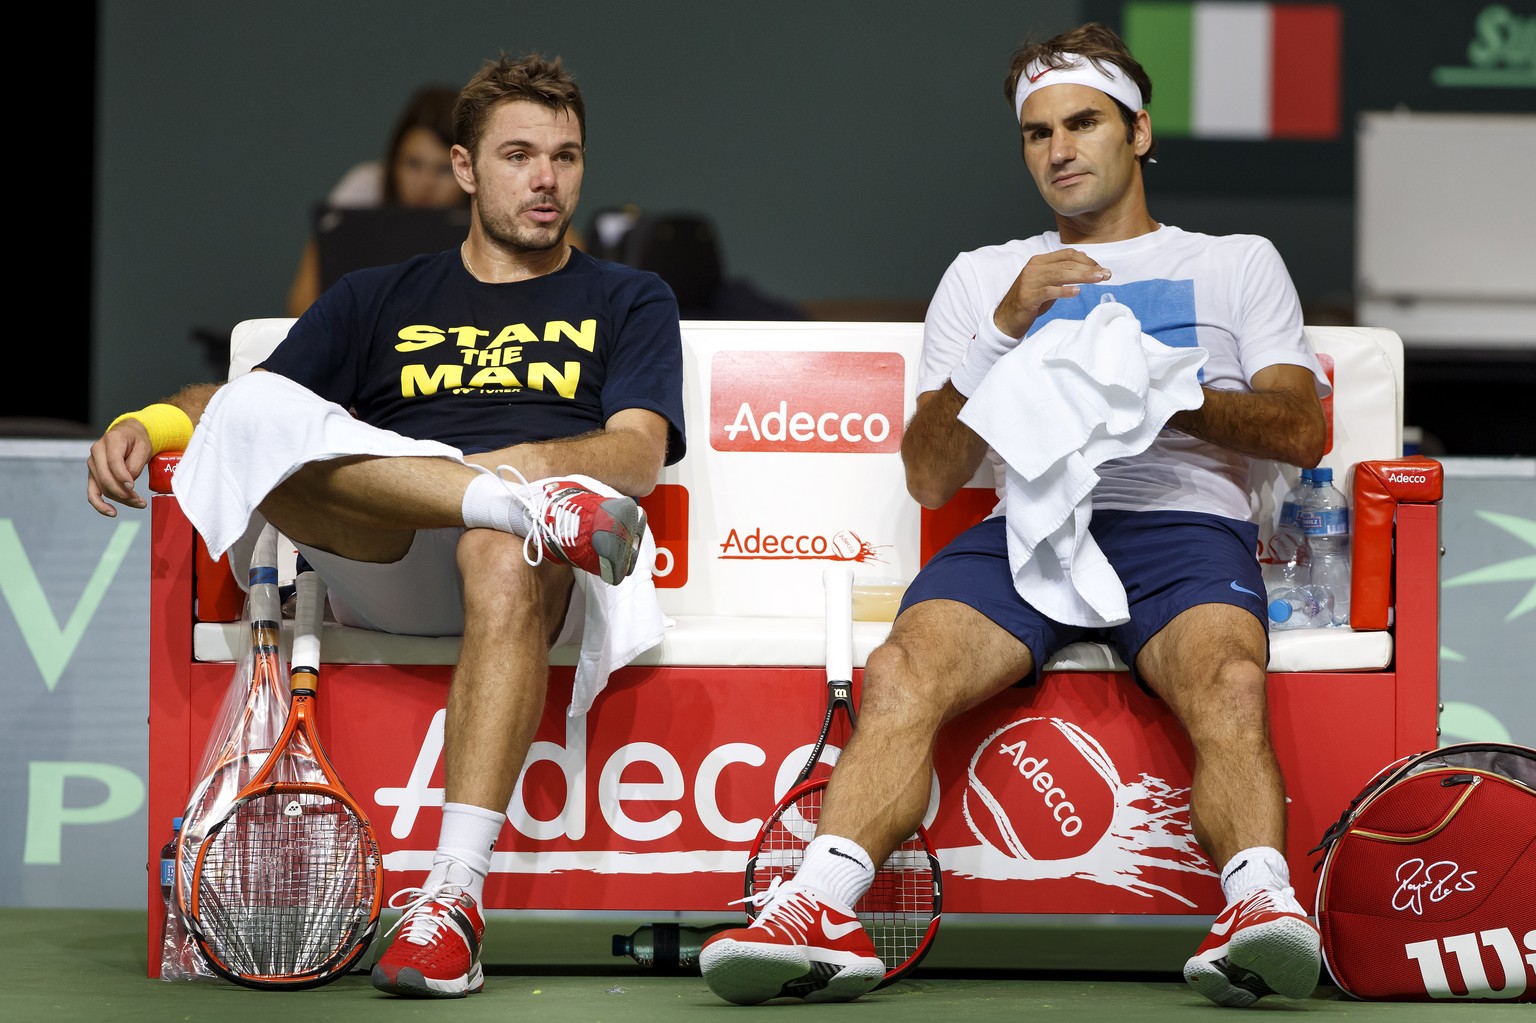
(422, 594)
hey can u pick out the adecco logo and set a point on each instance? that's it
(666, 512)
(1041, 789)
(791, 401)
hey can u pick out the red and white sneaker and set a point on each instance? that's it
(802, 945)
(437, 954)
(584, 529)
(1261, 944)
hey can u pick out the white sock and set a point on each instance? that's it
(1259, 867)
(494, 502)
(464, 847)
(837, 867)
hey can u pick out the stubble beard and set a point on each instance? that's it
(509, 232)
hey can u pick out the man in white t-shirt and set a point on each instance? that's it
(1173, 520)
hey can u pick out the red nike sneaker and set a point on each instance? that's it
(1261, 944)
(802, 945)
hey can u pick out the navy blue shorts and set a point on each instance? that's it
(1168, 561)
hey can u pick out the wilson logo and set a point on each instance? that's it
(807, 401)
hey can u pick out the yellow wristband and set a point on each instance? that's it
(169, 427)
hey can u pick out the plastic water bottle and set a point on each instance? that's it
(665, 947)
(1325, 520)
(1300, 607)
(170, 930)
(168, 867)
(1289, 563)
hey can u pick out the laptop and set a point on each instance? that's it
(351, 238)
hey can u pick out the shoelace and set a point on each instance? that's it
(795, 908)
(536, 507)
(757, 900)
(421, 928)
(1276, 900)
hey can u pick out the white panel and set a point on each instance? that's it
(1231, 75)
(1446, 208)
(818, 495)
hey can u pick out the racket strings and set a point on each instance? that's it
(897, 911)
(898, 908)
(285, 885)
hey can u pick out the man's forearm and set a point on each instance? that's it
(193, 399)
(1264, 424)
(939, 452)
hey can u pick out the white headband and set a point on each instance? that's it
(1079, 71)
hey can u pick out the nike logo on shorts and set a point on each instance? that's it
(1244, 589)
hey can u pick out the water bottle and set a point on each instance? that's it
(667, 948)
(1289, 564)
(168, 867)
(1300, 607)
(170, 930)
(1325, 520)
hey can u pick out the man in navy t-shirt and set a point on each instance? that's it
(393, 435)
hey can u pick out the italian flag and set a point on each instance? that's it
(1240, 70)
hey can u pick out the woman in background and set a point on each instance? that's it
(416, 172)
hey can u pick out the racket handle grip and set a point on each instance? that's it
(308, 617)
(837, 581)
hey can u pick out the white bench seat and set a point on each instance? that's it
(788, 642)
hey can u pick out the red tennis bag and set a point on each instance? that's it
(1428, 885)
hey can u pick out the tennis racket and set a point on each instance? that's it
(287, 885)
(251, 728)
(902, 908)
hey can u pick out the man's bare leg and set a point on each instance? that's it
(512, 614)
(1208, 666)
(941, 659)
(368, 508)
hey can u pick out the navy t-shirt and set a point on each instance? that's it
(425, 350)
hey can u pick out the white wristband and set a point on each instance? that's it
(989, 345)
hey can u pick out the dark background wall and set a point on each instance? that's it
(846, 151)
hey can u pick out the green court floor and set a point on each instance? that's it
(66, 965)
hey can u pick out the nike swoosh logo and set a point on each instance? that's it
(1244, 589)
(1035, 78)
(835, 931)
(839, 852)
(1221, 927)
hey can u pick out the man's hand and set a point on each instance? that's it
(116, 461)
(1043, 280)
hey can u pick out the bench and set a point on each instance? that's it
(649, 802)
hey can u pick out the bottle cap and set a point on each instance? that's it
(1279, 611)
(621, 945)
(176, 823)
(1322, 475)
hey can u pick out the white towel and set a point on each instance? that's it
(261, 427)
(622, 621)
(1074, 395)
